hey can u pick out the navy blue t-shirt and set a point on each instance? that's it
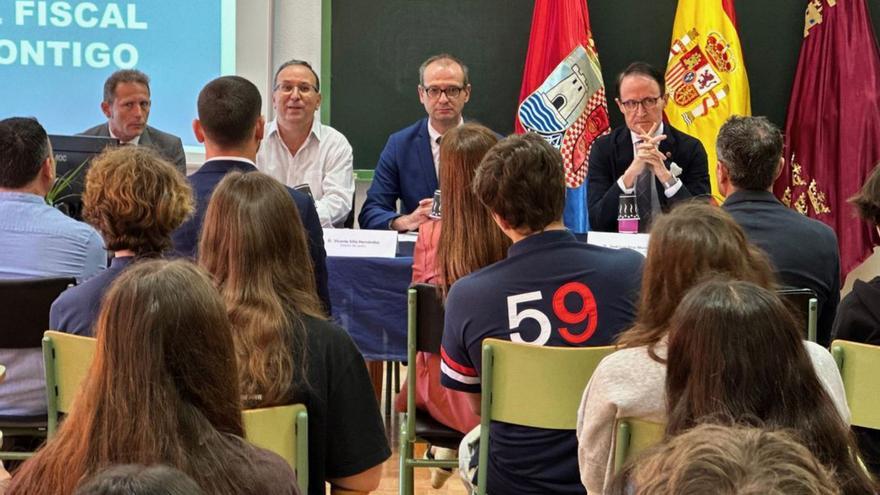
(551, 290)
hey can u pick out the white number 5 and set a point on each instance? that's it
(516, 318)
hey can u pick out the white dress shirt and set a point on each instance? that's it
(324, 162)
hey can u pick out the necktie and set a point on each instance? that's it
(647, 201)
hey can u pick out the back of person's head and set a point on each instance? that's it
(25, 148)
(254, 244)
(124, 76)
(162, 387)
(469, 239)
(522, 181)
(137, 479)
(692, 241)
(229, 109)
(750, 148)
(867, 201)
(135, 199)
(726, 460)
(736, 354)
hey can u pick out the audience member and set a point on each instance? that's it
(408, 166)
(693, 240)
(127, 106)
(36, 241)
(287, 352)
(468, 241)
(736, 352)
(550, 290)
(727, 460)
(137, 479)
(803, 251)
(299, 149)
(156, 394)
(231, 127)
(647, 157)
(857, 319)
(135, 199)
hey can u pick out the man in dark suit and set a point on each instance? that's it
(408, 165)
(803, 251)
(127, 106)
(646, 150)
(231, 127)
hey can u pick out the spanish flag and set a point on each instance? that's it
(705, 76)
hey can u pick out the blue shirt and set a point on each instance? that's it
(550, 290)
(76, 309)
(38, 241)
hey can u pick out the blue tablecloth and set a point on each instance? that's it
(369, 301)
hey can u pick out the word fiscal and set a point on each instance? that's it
(67, 53)
(82, 14)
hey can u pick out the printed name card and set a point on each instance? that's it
(615, 240)
(356, 243)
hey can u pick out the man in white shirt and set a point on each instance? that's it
(300, 150)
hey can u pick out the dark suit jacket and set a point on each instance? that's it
(405, 171)
(803, 251)
(168, 145)
(612, 154)
(206, 178)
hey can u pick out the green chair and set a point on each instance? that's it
(533, 386)
(283, 430)
(634, 436)
(67, 359)
(424, 333)
(859, 366)
(804, 304)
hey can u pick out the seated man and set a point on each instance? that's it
(803, 251)
(231, 127)
(36, 241)
(657, 162)
(127, 106)
(407, 169)
(299, 149)
(547, 273)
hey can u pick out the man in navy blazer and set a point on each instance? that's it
(678, 160)
(408, 166)
(231, 127)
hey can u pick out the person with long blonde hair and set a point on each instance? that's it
(254, 245)
(162, 389)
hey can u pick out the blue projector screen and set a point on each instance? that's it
(55, 56)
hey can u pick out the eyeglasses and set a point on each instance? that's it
(646, 103)
(451, 92)
(304, 89)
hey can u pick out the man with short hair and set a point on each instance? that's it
(649, 158)
(408, 166)
(127, 106)
(299, 149)
(36, 241)
(803, 251)
(231, 127)
(551, 290)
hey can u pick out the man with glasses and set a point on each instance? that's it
(301, 151)
(408, 166)
(649, 158)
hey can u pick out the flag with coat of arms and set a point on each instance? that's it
(562, 97)
(706, 79)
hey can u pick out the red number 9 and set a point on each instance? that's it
(587, 311)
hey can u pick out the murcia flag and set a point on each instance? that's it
(832, 130)
(563, 96)
(705, 76)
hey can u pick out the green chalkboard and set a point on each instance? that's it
(377, 47)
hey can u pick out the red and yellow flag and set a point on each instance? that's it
(705, 76)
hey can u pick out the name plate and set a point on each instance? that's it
(356, 243)
(615, 240)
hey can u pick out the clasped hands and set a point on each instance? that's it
(648, 155)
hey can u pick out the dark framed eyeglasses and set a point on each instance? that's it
(451, 92)
(304, 89)
(646, 103)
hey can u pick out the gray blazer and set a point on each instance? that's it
(168, 145)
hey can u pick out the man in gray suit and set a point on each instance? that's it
(127, 106)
